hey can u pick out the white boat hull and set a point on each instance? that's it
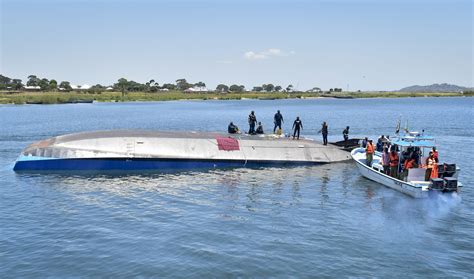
(416, 189)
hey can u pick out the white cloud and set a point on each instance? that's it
(254, 56)
(271, 52)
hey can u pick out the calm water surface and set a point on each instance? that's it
(320, 221)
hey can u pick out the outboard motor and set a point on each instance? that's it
(441, 168)
(437, 184)
(449, 170)
(450, 184)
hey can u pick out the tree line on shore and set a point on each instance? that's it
(123, 85)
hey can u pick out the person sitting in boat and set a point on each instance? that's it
(345, 133)
(393, 163)
(259, 128)
(297, 125)
(232, 128)
(431, 167)
(369, 153)
(386, 161)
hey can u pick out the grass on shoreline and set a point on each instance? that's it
(66, 97)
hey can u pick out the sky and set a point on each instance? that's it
(355, 45)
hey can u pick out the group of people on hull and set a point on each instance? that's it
(277, 129)
(397, 165)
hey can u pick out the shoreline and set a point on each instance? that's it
(19, 98)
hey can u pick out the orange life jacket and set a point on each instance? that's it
(370, 148)
(430, 162)
(434, 171)
(393, 159)
(409, 164)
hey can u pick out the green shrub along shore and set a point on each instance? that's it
(75, 96)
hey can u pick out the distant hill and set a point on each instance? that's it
(443, 87)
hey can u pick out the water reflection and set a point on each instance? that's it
(253, 184)
(256, 190)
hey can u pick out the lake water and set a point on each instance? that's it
(319, 221)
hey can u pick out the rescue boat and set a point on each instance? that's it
(413, 184)
(153, 150)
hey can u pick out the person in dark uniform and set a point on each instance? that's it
(324, 131)
(297, 126)
(252, 122)
(345, 133)
(364, 142)
(259, 128)
(232, 128)
(277, 119)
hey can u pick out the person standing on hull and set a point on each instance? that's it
(297, 126)
(252, 122)
(324, 131)
(345, 133)
(278, 120)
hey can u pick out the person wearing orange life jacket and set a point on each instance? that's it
(409, 164)
(431, 167)
(369, 153)
(435, 154)
(393, 156)
(434, 171)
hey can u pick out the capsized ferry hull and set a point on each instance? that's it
(147, 150)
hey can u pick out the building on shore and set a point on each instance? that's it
(32, 88)
(196, 89)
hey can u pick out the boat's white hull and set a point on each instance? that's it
(401, 186)
(416, 191)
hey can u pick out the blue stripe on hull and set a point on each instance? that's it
(140, 164)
